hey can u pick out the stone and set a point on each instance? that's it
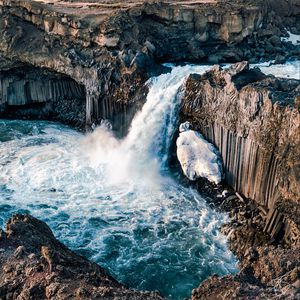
(20, 272)
(275, 40)
(280, 59)
(20, 251)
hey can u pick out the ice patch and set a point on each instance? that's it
(198, 158)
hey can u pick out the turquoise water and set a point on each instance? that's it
(115, 201)
(160, 238)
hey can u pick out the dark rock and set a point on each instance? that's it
(275, 40)
(101, 57)
(52, 271)
(222, 105)
(280, 59)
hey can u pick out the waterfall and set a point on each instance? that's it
(153, 127)
(113, 200)
(142, 155)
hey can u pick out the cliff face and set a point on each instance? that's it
(254, 121)
(41, 94)
(111, 48)
(34, 265)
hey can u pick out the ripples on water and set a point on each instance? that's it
(160, 237)
(114, 201)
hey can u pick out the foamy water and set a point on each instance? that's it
(290, 69)
(115, 201)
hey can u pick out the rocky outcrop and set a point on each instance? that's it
(254, 121)
(277, 269)
(41, 94)
(34, 265)
(111, 49)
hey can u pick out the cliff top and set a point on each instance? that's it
(93, 8)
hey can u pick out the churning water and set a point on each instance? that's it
(114, 201)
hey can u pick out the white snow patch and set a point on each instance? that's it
(294, 38)
(198, 158)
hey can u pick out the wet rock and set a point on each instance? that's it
(280, 59)
(264, 230)
(275, 40)
(242, 111)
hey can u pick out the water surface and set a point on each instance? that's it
(115, 201)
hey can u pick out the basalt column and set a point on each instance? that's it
(254, 121)
(29, 92)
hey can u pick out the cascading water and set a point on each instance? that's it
(114, 201)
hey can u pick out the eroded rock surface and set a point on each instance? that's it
(34, 265)
(111, 48)
(254, 121)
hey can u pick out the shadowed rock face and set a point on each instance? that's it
(254, 121)
(112, 48)
(34, 265)
(27, 92)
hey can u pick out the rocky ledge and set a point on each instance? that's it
(34, 265)
(107, 50)
(254, 121)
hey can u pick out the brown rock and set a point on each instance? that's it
(24, 277)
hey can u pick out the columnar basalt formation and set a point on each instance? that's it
(113, 48)
(34, 265)
(254, 121)
(29, 92)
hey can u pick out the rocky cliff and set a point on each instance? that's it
(110, 49)
(254, 120)
(83, 61)
(34, 265)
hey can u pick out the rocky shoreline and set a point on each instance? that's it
(34, 265)
(262, 235)
(92, 61)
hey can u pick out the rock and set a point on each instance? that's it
(275, 40)
(236, 109)
(219, 105)
(280, 59)
(80, 65)
(20, 252)
(214, 59)
(24, 277)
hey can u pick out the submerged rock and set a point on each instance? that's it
(34, 265)
(198, 158)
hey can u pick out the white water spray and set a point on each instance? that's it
(144, 152)
(106, 199)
